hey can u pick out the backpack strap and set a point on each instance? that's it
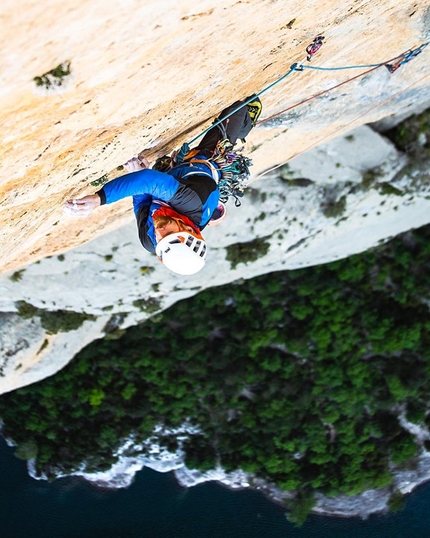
(215, 172)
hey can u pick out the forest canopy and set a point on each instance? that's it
(298, 377)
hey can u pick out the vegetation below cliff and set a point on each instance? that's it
(297, 377)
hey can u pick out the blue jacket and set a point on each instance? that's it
(189, 189)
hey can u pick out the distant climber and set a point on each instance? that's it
(174, 201)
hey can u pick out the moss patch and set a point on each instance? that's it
(411, 136)
(387, 188)
(55, 77)
(112, 328)
(335, 208)
(370, 177)
(298, 182)
(55, 321)
(99, 182)
(247, 252)
(150, 305)
(146, 270)
(17, 275)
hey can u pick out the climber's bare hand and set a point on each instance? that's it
(82, 207)
(136, 164)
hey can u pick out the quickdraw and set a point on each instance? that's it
(405, 58)
(314, 47)
(234, 169)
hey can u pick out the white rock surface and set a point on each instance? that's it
(28, 354)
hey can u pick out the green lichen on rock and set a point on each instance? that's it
(112, 329)
(412, 136)
(388, 189)
(17, 275)
(334, 208)
(150, 305)
(43, 346)
(285, 172)
(146, 270)
(99, 182)
(299, 182)
(55, 77)
(247, 252)
(370, 177)
(55, 321)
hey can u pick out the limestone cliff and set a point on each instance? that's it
(85, 88)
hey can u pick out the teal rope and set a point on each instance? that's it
(292, 68)
(300, 67)
(409, 55)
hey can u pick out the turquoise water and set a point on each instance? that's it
(155, 506)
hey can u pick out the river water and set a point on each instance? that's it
(155, 506)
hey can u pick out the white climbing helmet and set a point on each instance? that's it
(182, 253)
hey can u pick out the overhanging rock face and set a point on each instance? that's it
(84, 88)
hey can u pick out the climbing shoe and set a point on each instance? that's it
(224, 146)
(254, 108)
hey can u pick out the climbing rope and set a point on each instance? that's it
(315, 46)
(244, 103)
(319, 94)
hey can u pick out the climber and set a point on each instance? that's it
(174, 202)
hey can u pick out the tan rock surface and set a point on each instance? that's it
(152, 74)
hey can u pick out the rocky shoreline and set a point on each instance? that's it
(121, 475)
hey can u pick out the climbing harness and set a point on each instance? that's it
(228, 168)
(208, 164)
(314, 47)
